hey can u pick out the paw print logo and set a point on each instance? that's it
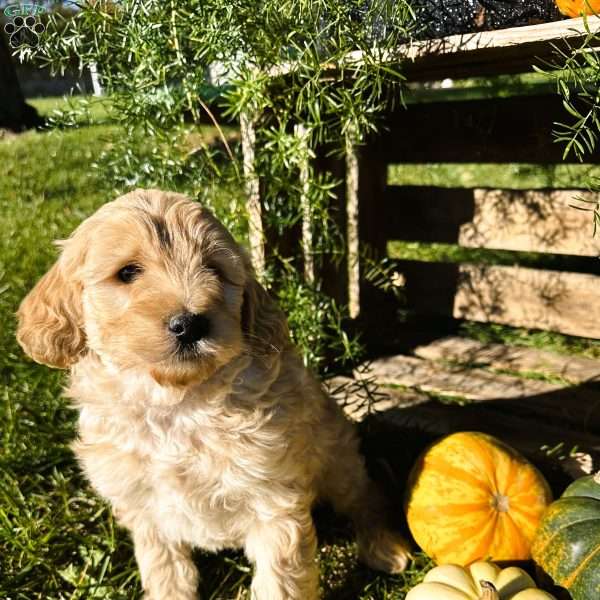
(24, 31)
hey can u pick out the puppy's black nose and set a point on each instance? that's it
(189, 328)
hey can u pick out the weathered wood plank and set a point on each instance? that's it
(551, 300)
(575, 369)
(517, 129)
(524, 220)
(352, 225)
(334, 271)
(252, 187)
(513, 37)
(471, 384)
(573, 453)
(534, 221)
(577, 407)
(377, 307)
(303, 135)
(409, 416)
(522, 297)
(350, 395)
(512, 50)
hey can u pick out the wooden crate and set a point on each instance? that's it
(563, 296)
(506, 130)
(516, 129)
(545, 221)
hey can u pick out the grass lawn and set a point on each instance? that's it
(57, 538)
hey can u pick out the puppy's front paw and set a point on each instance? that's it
(383, 550)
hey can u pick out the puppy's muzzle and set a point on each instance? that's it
(189, 328)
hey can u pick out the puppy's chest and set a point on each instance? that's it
(194, 481)
(199, 495)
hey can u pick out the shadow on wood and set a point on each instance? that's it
(542, 220)
(518, 296)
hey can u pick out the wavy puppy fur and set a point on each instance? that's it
(226, 442)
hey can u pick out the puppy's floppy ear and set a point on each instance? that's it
(50, 317)
(263, 321)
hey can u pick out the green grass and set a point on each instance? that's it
(492, 175)
(503, 86)
(544, 340)
(52, 530)
(58, 540)
(87, 108)
(453, 253)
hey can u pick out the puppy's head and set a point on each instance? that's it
(151, 281)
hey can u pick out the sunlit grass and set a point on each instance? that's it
(88, 108)
(494, 175)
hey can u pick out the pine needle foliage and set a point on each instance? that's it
(576, 72)
(286, 62)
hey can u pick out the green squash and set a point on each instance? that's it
(567, 543)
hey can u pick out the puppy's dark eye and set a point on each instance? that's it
(213, 268)
(128, 273)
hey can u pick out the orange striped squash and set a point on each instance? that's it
(576, 8)
(472, 497)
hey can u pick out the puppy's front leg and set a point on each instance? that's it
(283, 551)
(167, 569)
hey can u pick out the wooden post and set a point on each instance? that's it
(252, 184)
(378, 309)
(333, 271)
(307, 241)
(352, 228)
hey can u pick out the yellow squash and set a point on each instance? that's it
(472, 498)
(479, 581)
(576, 8)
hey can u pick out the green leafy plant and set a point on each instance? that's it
(575, 71)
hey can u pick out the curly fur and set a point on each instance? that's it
(230, 449)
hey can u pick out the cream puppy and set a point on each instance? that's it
(198, 421)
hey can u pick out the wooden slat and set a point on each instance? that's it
(551, 300)
(352, 226)
(350, 395)
(252, 187)
(334, 272)
(471, 384)
(522, 297)
(377, 307)
(303, 135)
(501, 130)
(513, 50)
(534, 441)
(525, 220)
(576, 407)
(533, 220)
(575, 369)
